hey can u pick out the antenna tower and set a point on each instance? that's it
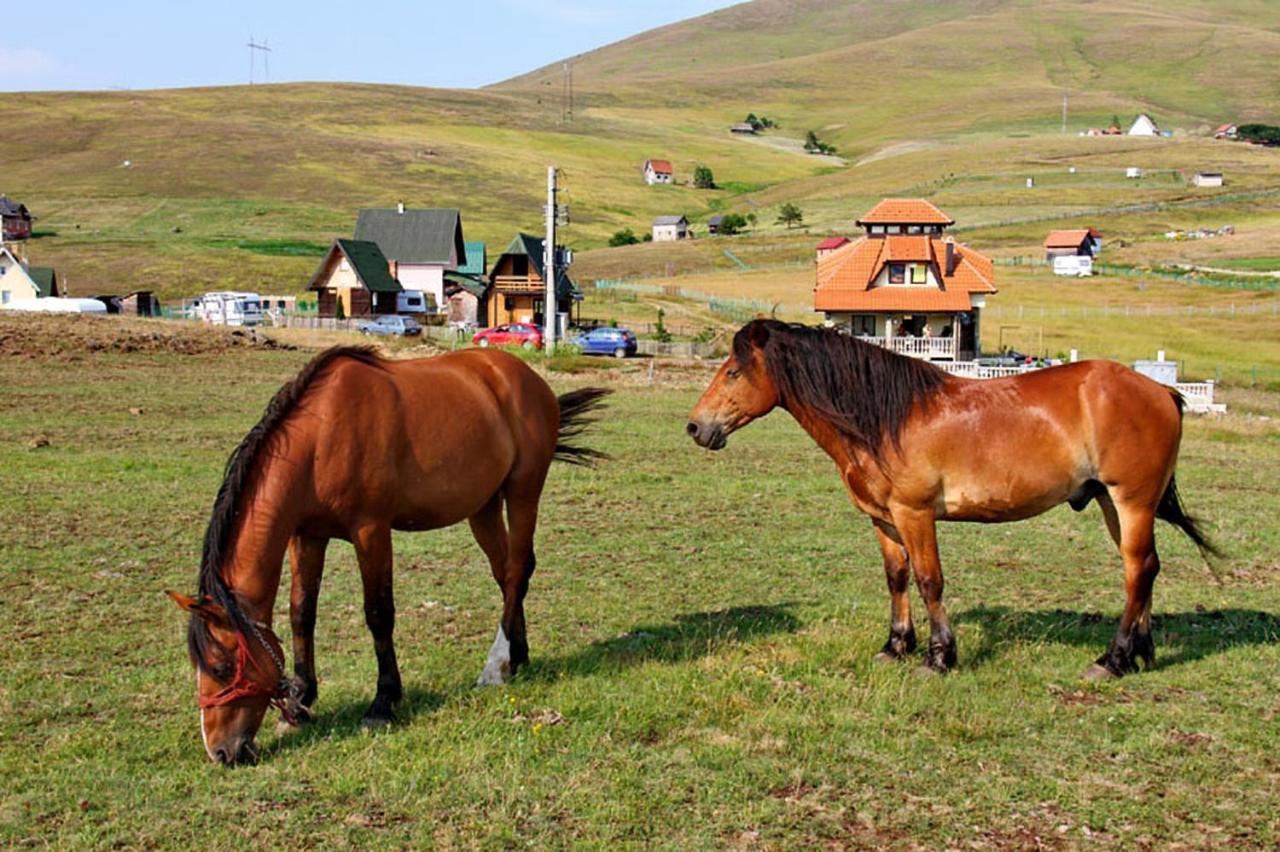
(254, 50)
(566, 94)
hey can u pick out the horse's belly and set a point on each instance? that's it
(1013, 500)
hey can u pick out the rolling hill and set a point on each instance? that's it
(243, 186)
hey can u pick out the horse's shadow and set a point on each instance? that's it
(685, 637)
(1180, 637)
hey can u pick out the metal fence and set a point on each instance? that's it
(1206, 279)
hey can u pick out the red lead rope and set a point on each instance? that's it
(242, 686)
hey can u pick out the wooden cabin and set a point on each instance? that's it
(517, 287)
(16, 218)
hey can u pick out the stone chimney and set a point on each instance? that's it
(951, 256)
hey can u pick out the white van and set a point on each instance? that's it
(1078, 265)
(231, 308)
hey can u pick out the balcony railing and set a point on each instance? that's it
(931, 348)
(518, 283)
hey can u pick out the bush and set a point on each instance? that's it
(625, 237)
(703, 178)
(814, 145)
(732, 223)
(660, 332)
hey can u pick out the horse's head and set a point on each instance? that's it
(238, 677)
(740, 392)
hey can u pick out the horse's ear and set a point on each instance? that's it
(758, 333)
(204, 609)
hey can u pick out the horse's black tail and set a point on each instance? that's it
(1170, 509)
(575, 410)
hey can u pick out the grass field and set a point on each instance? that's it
(702, 627)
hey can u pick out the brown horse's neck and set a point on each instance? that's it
(265, 521)
(864, 477)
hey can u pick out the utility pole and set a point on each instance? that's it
(1064, 111)
(254, 48)
(549, 267)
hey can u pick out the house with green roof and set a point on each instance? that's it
(356, 276)
(517, 288)
(419, 245)
(19, 281)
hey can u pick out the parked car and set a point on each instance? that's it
(1012, 358)
(618, 342)
(391, 325)
(511, 334)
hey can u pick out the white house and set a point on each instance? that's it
(658, 171)
(668, 229)
(19, 282)
(1133, 172)
(1206, 179)
(1143, 125)
(419, 245)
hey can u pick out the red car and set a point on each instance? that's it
(513, 334)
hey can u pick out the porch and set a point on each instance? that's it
(518, 284)
(928, 348)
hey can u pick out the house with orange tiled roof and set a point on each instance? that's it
(1072, 242)
(907, 285)
(658, 171)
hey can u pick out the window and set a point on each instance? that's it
(897, 273)
(914, 229)
(863, 325)
(893, 229)
(919, 274)
(5, 296)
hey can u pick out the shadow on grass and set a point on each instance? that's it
(1187, 636)
(686, 637)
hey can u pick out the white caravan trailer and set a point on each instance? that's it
(231, 308)
(1079, 265)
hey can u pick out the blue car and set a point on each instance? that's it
(390, 325)
(618, 342)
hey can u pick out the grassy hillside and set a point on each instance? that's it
(243, 187)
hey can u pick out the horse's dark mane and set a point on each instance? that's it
(866, 392)
(240, 466)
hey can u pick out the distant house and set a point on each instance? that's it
(714, 223)
(1077, 242)
(19, 281)
(356, 275)
(1113, 131)
(1144, 125)
(830, 244)
(1207, 179)
(658, 171)
(17, 219)
(465, 299)
(517, 285)
(670, 228)
(1133, 172)
(1227, 131)
(742, 127)
(477, 260)
(420, 245)
(907, 286)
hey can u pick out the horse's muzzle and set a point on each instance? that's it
(238, 754)
(711, 437)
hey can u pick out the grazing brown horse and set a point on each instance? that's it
(352, 448)
(915, 446)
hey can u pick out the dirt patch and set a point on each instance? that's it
(69, 336)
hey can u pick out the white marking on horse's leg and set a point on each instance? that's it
(497, 669)
(204, 738)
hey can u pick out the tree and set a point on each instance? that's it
(790, 215)
(1115, 122)
(752, 218)
(339, 312)
(660, 332)
(811, 142)
(703, 178)
(1261, 134)
(732, 223)
(625, 237)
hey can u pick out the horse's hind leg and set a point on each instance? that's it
(306, 557)
(1132, 526)
(373, 551)
(511, 645)
(490, 532)
(897, 572)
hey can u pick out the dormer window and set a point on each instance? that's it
(897, 273)
(919, 274)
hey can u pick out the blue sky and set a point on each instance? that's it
(48, 44)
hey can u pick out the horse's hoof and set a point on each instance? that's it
(494, 675)
(373, 723)
(885, 658)
(1098, 672)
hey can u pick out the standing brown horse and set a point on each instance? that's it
(915, 446)
(354, 447)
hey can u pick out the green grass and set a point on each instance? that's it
(1255, 264)
(703, 623)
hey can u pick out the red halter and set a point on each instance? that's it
(243, 686)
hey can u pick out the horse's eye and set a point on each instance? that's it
(733, 372)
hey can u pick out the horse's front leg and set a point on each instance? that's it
(897, 572)
(306, 558)
(919, 537)
(373, 551)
